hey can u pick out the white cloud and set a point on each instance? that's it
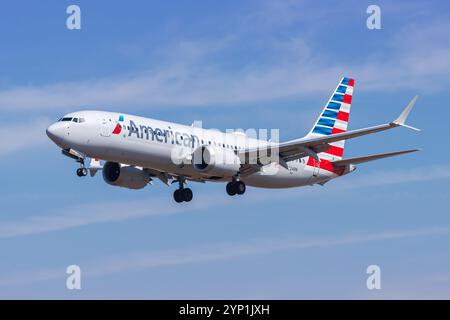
(216, 252)
(414, 57)
(173, 86)
(386, 177)
(89, 214)
(17, 137)
(119, 211)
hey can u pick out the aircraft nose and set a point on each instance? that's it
(55, 133)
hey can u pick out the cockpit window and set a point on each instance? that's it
(76, 120)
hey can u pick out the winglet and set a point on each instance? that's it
(400, 121)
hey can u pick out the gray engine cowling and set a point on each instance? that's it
(124, 176)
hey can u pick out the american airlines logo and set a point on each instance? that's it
(163, 135)
(158, 134)
(118, 128)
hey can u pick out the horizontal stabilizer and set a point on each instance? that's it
(310, 144)
(371, 157)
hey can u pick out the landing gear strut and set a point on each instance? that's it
(182, 193)
(235, 187)
(79, 157)
(82, 171)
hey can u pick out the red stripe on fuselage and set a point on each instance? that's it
(326, 165)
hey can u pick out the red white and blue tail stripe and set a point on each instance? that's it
(334, 119)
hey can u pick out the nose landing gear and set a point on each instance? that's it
(79, 157)
(82, 172)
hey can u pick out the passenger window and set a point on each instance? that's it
(81, 120)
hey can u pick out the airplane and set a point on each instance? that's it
(136, 150)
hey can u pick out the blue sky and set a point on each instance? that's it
(233, 64)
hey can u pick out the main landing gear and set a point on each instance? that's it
(182, 193)
(235, 187)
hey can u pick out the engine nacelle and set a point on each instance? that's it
(215, 161)
(125, 177)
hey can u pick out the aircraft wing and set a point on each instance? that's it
(164, 177)
(300, 148)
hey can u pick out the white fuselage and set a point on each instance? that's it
(154, 144)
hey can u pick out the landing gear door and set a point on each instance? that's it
(105, 128)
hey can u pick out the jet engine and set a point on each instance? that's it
(124, 176)
(215, 161)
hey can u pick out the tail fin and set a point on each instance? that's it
(334, 118)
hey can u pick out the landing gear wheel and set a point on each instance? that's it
(181, 195)
(235, 187)
(81, 172)
(239, 187)
(178, 195)
(187, 194)
(231, 190)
